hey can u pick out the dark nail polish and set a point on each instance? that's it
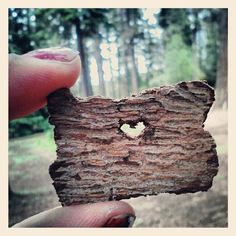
(124, 220)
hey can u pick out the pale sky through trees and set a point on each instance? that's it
(149, 15)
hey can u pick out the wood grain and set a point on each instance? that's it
(97, 161)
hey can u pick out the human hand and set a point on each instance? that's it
(32, 77)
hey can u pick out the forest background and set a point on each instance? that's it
(124, 51)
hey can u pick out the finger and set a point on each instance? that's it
(33, 76)
(104, 214)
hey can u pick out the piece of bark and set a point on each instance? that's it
(97, 161)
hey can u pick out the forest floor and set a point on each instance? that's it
(30, 157)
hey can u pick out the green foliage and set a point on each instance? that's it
(179, 61)
(19, 29)
(176, 21)
(33, 123)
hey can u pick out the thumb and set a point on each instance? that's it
(33, 76)
(103, 214)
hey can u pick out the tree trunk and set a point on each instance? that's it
(99, 61)
(222, 64)
(134, 70)
(129, 45)
(86, 82)
(126, 80)
(124, 60)
(119, 72)
(126, 34)
(110, 65)
(149, 57)
(113, 91)
(195, 44)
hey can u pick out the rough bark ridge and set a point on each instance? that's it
(96, 161)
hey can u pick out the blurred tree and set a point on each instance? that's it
(209, 45)
(122, 41)
(87, 23)
(111, 37)
(222, 64)
(150, 55)
(66, 19)
(97, 22)
(176, 21)
(129, 31)
(152, 50)
(19, 31)
(99, 61)
(81, 34)
(114, 94)
(195, 28)
(179, 39)
(122, 79)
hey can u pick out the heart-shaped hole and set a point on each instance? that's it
(133, 130)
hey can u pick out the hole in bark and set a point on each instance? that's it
(133, 130)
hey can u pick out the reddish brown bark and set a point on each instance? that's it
(96, 161)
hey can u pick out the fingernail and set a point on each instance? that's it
(124, 220)
(54, 54)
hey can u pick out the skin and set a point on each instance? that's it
(32, 77)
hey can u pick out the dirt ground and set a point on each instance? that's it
(33, 191)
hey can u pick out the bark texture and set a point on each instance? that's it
(96, 161)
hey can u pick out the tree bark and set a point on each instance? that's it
(97, 161)
(222, 65)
